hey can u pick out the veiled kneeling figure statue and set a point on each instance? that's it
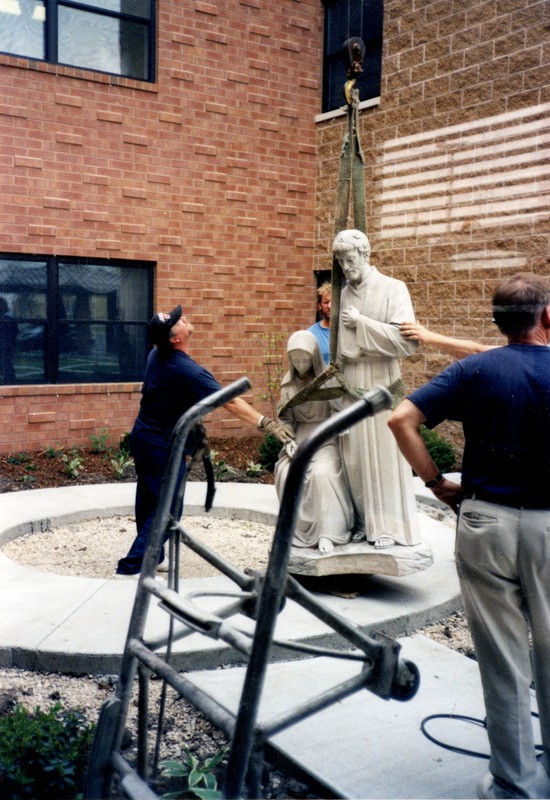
(325, 515)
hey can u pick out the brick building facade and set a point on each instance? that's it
(456, 158)
(223, 175)
(208, 172)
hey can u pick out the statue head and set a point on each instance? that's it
(304, 355)
(351, 249)
(351, 240)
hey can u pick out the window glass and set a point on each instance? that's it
(344, 19)
(98, 352)
(63, 322)
(90, 293)
(108, 44)
(115, 36)
(22, 27)
(137, 8)
(23, 303)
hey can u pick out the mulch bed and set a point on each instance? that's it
(232, 458)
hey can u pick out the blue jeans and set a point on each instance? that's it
(150, 454)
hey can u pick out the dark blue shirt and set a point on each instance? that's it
(502, 398)
(173, 383)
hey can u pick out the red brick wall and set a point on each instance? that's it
(456, 160)
(37, 417)
(210, 172)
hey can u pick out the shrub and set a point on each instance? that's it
(268, 451)
(124, 445)
(43, 754)
(441, 449)
(99, 441)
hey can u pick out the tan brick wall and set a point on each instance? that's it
(209, 172)
(456, 160)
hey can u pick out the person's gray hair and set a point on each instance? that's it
(519, 300)
(351, 240)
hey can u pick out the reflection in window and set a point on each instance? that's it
(103, 43)
(65, 321)
(22, 27)
(114, 36)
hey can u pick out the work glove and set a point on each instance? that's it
(283, 432)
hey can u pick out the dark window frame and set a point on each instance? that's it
(55, 326)
(51, 35)
(344, 19)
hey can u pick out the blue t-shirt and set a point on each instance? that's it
(502, 398)
(323, 337)
(172, 384)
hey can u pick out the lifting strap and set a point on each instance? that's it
(351, 186)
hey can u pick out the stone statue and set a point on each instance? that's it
(325, 516)
(370, 345)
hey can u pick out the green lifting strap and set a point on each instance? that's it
(351, 185)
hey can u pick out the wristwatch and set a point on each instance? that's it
(434, 481)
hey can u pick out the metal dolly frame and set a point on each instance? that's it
(261, 597)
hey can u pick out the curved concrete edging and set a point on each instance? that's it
(78, 625)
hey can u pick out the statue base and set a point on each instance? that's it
(361, 558)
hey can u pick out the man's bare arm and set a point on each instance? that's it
(458, 348)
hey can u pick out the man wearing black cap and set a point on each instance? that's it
(502, 398)
(173, 383)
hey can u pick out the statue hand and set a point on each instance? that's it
(283, 432)
(349, 316)
(290, 448)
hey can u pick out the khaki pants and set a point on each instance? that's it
(503, 562)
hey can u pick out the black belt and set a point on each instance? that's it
(502, 500)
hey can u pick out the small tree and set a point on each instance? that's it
(273, 364)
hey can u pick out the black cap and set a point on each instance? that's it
(159, 326)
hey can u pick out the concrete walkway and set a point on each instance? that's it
(362, 747)
(78, 625)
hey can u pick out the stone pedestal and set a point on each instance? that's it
(361, 558)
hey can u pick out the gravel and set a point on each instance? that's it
(97, 543)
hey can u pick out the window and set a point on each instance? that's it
(344, 19)
(73, 320)
(115, 36)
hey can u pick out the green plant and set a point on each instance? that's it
(26, 479)
(73, 463)
(124, 445)
(268, 452)
(99, 441)
(43, 754)
(221, 467)
(18, 458)
(120, 462)
(441, 449)
(197, 779)
(253, 469)
(53, 452)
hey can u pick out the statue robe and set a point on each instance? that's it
(325, 508)
(379, 478)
